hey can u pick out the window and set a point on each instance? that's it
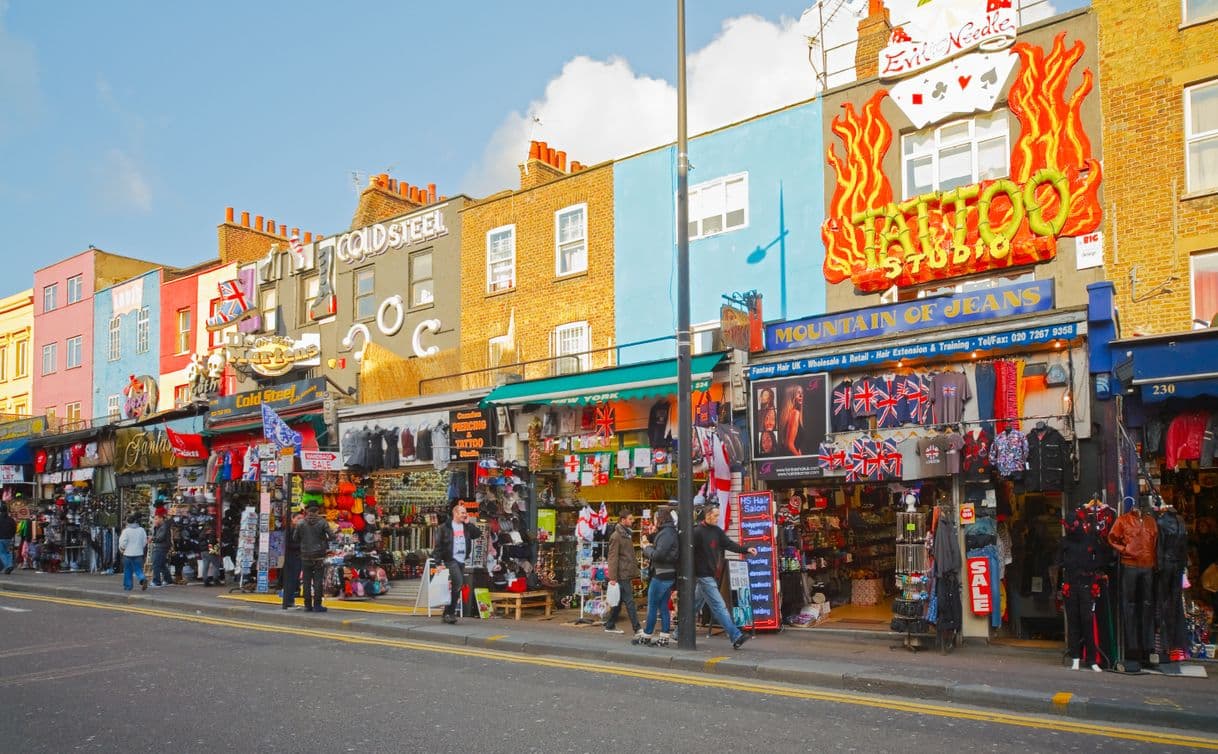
(181, 396)
(183, 339)
(112, 408)
(571, 240)
(76, 289)
(501, 259)
(719, 206)
(115, 352)
(50, 297)
(705, 338)
(365, 294)
(570, 347)
(71, 414)
(1205, 288)
(21, 365)
(422, 291)
(143, 324)
(270, 309)
(75, 352)
(3, 363)
(52, 417)
(21, 408)
(309, 288)
(50, 357)
(956, 154)
(1201, 136)
(1199, 10)
(215, 338)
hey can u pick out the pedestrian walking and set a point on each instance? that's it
(623, 570)
(710, 542)
(132, 543)
(291, 564)
(454, 544)
(665, 555)
(213, 569)
(314, 536)
(162, 542)
(8, 530)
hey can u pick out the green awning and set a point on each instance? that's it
(633, 382)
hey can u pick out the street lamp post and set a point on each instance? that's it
(685, 486)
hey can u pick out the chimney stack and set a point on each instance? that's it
(874, 31)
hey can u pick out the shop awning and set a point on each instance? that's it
(16, 452)
(633, 382)
(1180, 365)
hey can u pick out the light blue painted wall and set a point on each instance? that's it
(781, 152)
(110, 377)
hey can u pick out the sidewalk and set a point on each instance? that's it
(996, 677)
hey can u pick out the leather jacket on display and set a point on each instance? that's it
(1135, 538)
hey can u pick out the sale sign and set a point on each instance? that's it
(968, 514)
(979, 586)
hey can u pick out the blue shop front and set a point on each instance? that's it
(967, 415)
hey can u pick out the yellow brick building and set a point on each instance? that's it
(1159, 87)
(16, 336)
(537, 271)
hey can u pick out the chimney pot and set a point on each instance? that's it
(393, 184)
(283, 231)
(414, 194)
(534, 150)
(245, 219)
(541, 151)
(431, 193)
(258, 223)
(443, 198)
(228, 214)
(562, 160)
(308, 237)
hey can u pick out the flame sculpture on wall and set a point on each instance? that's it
(877, 242)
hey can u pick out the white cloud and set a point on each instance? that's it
(596, 110)
(119, 184)
(20, 91)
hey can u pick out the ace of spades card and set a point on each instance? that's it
(971, 83)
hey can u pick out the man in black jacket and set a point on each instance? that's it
(290, 575)
(8, 530)
(709, 544)
(454, 546)
(162, 540)
(314, 536)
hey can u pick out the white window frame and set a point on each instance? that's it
(182, 339)
(357, 297)
(491, 285)
(1192, 282)
(51, 350)
(1186, 20)
(415, 281)
(563, 359)
(78, 341)
(1191, 139)
(114, 335)
(268, 303)
(310, 287)
(939, 145)
(561, 246)
(696, 194)
(50, 297)
(113, 408)
(143, 330)
(76, 284)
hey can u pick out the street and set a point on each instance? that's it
(89, 677)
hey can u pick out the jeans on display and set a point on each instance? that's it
(1136, 609)
(632, 611)
(657, 604)
(986, 382)
(6, 553)
(291, 578)
(706, 591)
(1171, 608)
(133, 571)
(312, 572)
(160, 567)
(456, 575)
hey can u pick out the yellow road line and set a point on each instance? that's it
(496, 637)
(891, 704)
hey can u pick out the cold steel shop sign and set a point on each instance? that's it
(471, 433)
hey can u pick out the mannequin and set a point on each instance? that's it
(1171, 560)
(1134, 536)
(1080, 561)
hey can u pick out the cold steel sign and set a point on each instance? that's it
(374, 240)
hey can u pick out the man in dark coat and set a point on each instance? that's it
(314, 536)
(454, 546)
(623, 570)
(710, 542)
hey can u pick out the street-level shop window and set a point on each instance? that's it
(114, 352)
(22, 360)
(183, 338)
(50, 358)
(365, 294)
(571, 240)
(270, 309)
(422, 288)
(956, 154)
(1201, 136)
(76, 288)
(1205, 289)
(112, 408)
(1199, 10)
(719, 206)
(570, 345)
(72, 414)
(75, 352)
(143, 326)
(501, 259)
(50, 297)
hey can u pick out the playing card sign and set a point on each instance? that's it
(944, 29)
(969, 84)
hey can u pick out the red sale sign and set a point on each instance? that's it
(979, 585)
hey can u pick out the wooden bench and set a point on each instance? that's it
(520, 600)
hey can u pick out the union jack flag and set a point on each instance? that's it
(873, 461)
(841, 400)
(857, 460)
(829, 457)
(865, 397)
(917, 399)
(888, 406)
(890, 459)
(230, 290)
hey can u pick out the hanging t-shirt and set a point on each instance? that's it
(911, 461)
(865, 393)
(913, 395)
(657, 424)
(955, 446)
(440, 451)
(841, 416)
(458, 542)
(888, 405)
(933, 451)
(949, 390)
(1009, 452)
(976, 455)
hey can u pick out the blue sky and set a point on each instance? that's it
(132, 125)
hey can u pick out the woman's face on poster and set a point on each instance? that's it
(769, 420)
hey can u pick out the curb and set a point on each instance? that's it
(834, 676)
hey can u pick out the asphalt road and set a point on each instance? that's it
(96, 679)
